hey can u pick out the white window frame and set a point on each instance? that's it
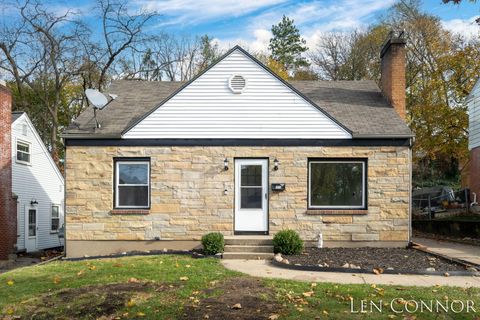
(51, 217)
(28, 223)
(117, 176)
(29, 144)
(364, 185)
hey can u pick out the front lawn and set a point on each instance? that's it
(173, 287)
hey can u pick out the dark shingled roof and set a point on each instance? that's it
(357, 105)
(16, 115)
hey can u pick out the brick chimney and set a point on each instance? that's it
(392, 81)
(8, 205)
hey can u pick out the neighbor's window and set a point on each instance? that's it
(337, 184)
(132, 183)
(55, 218)
(23, 152)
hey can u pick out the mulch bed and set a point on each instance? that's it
(394, 259)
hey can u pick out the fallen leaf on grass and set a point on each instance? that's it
(57, 279)
(140, 314)
(10, 282)
(308, 294)
(183, 278)
(79, 273)
(133, 280)
(118, 265)
(187, 266)
(325, 312)
(273, 317)
(130, 303)
(92, 267)
(237, 306)
(10, 311)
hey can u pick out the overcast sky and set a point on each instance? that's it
(247, 22)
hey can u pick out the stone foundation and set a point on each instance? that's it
(188, 200)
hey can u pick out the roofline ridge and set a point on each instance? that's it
(250, 56)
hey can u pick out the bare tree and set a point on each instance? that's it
(122, 32)
(165, 57)
(331, 54)
(41, 54)
(348, 56)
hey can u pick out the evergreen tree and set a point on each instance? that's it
(209, 52)
(287, 45)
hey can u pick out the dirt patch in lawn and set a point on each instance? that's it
(396, 259)
(238, 299)
(91, 302)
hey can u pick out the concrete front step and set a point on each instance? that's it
(235, 248)
(248, 241)
(248, 255)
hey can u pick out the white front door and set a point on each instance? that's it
(251, 196)
(30, 229)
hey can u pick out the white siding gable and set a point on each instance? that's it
(473, 102)
(266, 109)
(38, 180)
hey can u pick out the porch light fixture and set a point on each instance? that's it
(225, 164)
(34, 202)
(276, 163)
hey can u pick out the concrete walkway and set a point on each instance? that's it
(460, 251)
(263, 268)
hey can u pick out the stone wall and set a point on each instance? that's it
(188, 200)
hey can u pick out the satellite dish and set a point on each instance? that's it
(96, 98)
(99, 101)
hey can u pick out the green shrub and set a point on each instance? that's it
(213, 243)
(287, 242)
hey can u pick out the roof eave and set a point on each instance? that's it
(89, 136)
(382, 136)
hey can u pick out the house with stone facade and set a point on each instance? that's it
(238, 150)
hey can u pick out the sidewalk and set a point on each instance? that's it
(263, 268)
(460, 251)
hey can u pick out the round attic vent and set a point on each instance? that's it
(237, 83)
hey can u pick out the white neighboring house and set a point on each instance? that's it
(39, 186)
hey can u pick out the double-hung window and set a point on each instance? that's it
(337, 183)
(55, 218)
(132, 183)
(23, 152)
